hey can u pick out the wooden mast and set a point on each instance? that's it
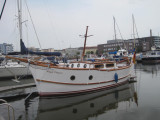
(85, 36)
(84, 43)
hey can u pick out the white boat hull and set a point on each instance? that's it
(13, 71)
(55, 81)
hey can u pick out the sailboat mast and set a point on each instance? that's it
(19, 4)
(115, 37)
(133, 30)
(84, 43)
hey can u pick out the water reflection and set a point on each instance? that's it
(84, 106)
(149, 68)
(72, 108)
(116, 104)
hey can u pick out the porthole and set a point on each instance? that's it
(85, 66)
(78, 65)
(90, 77)
(72, 65)
(67, 65)
(72, 77)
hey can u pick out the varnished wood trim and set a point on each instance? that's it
(51, 65)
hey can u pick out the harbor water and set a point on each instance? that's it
(133, 101)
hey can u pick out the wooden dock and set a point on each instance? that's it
(6, 88)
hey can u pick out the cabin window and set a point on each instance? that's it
(90, 77)
(153, 53)
(85, 66)
(72, 65)
(109, 65)
(99, 66)
(72, 77)
(78, 65)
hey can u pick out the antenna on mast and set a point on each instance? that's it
(85, 36)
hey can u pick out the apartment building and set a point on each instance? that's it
(6, 48)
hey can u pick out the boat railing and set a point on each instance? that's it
(4, 103)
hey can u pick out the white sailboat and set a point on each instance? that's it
(13, 69)
(9, 68)
(77, 77)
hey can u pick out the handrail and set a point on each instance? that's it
(9, 106)
(1, 100)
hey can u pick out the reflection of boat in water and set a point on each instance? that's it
(148, 68)
(80, 107)
(72, 108)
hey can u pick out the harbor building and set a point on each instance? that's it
(6, 48)
(147, 42)
(90, 49)
(141, 44)
(72, 52)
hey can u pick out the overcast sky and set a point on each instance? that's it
(59, 23)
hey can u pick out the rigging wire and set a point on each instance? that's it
(3, 9)
(33, 24)
(119, 31)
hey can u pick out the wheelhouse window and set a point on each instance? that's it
(99, 66)
(109, 65)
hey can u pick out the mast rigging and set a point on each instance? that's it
(3, 9)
